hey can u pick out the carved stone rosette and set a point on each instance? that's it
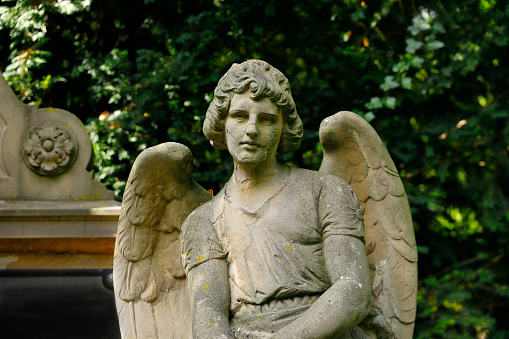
(49, 150)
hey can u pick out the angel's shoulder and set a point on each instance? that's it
(319, 181)
(204, 214)
(198, 238)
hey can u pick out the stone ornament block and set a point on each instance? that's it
(44, 153)
(49, 149)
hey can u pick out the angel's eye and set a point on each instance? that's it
(239, 116)
(268, 119)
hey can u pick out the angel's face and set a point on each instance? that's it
(253, 129)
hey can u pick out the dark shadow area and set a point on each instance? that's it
(57, 307)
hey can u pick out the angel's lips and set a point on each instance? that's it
(249, 145)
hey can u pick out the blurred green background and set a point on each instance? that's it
(432, 77)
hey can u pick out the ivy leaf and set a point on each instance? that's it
(406, 83)
(417, 62)
(390, 102)
(369, 116)
(412, 45)
(374, 103)
(419, 25)
(400, 66)
(434, 45)
(389, 83)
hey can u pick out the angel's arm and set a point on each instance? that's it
(210, 299)
(341, 307)
(346, 302)
(207, 270)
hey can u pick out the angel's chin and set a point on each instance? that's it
(251, 160)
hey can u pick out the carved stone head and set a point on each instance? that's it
(262, 81)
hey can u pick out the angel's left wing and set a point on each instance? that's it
(150, 283)
(354, 152)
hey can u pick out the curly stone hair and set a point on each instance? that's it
(262, 80)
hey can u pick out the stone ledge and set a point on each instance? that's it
(59, 208)
(58, 219)
(57, 245)
(30, 261)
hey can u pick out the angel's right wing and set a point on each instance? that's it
(354, 152)
(150, 284)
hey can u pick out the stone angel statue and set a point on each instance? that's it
(279, 252)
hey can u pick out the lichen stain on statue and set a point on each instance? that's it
(280, 252)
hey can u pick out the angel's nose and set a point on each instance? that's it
(252, 129)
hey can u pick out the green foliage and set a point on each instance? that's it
(458, 304)
(430, 76)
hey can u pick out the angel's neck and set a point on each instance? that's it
(247, 176)
(250, 189)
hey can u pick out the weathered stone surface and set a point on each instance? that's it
(44, 153)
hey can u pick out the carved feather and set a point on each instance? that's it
(150, 283)
(355, 152)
